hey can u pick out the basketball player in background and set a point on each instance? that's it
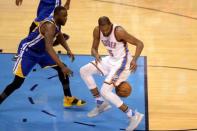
(37, 48)
(117, 67)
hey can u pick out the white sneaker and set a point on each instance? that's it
(99, 109)
(135, 121)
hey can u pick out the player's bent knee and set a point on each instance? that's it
(82, 70)
(86, 70)
(82, 73)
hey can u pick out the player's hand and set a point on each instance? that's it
(71, 55)
(67, 6)
(98, 59)
(67, 71)
(19, 2)
(133, 65)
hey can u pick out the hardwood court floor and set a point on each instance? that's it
(168, 29)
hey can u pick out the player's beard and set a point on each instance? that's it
(61, 22)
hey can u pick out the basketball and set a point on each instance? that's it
(123, 89)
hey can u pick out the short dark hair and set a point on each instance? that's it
(58, 9)
(103, 20)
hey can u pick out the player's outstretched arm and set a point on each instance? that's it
(48, 30)
(19, 2)
(95, 44)
(63, 42)
(125, 36)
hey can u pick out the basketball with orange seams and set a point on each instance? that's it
(123, 89)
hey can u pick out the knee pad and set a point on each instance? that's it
(82, 70)
(86, 70)
(86, 73)
(106, 90)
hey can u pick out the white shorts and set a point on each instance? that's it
(116, 71)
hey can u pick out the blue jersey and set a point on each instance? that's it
(35, 40)
(46, 9)
(32, 51)
(48, 1)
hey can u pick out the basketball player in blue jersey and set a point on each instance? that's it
(117, 67)
(45, 9)
(37, 48)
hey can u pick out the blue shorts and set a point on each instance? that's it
(45, 9)
(28, 60)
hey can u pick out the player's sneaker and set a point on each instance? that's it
(134, 121)
(99, 109)
(73, 101)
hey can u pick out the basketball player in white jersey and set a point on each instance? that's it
(117, 67)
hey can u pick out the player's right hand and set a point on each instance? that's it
(19, 2)
(71, 55)
(133, 65)
(98, 59)
(67, 71)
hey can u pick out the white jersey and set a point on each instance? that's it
(116, 49)
(116, 65)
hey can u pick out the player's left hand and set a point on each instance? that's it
(71, 55)
(133, 65)
(67, 6)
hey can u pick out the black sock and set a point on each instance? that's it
(65, 81)
(66, 89)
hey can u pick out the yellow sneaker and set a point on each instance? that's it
(73, 101)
